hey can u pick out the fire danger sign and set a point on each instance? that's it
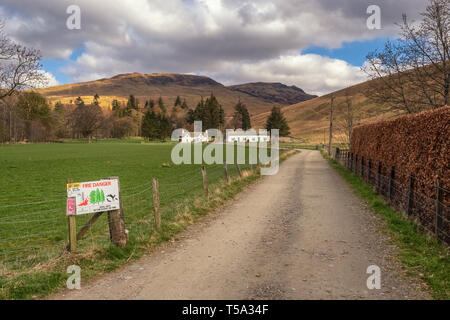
(93, 196)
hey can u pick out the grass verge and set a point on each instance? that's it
(421, 255)
(46, 279)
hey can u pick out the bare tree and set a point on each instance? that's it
(413, 74)
(349, 119)
(19, 66)
(86, 120)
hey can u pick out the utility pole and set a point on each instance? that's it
(331, 125)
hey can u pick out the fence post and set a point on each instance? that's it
(370, 172)
(439, 204)
(72, 229)
(411, 194)
(239, 169)
(156, 203)
(225, 170)
(205, 182)
(363, 163)
(356, 164)
(391, 184)
(379, 178)
(117, 229)
(351, 163)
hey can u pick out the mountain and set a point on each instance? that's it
(310, 120)
(169, 86)
(273, 92)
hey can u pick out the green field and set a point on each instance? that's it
(33, 224)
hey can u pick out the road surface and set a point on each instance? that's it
(300, 234)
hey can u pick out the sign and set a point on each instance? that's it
(71, 205)
(94, 196)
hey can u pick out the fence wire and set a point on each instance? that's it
(432, 214)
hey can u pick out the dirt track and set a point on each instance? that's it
(301, 234)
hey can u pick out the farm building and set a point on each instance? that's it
(247, 136)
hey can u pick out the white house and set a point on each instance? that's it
(241, 136)
(185, 137)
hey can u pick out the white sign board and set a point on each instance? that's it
(94, 196)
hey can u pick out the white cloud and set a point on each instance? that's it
(207, 36)
(49, 80)
(315, 74)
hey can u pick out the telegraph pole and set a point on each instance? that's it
(331, 125)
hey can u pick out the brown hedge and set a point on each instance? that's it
(416, 144)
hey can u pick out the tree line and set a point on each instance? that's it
(28, 116)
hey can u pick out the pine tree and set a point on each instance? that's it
(178, 101)
(161, 105)
(277, 121)
(241, 118)
(96, 100)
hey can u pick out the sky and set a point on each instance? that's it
(317, 45)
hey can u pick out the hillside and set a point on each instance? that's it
(169, 86)
(274, 92)
(310, 120)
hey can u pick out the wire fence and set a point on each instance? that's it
(34, 230)
(399, 189)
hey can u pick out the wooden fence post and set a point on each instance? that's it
(379, 178)
(117, 229)
(363, 163)
(370, 172)
(225, 171)
(411, 194)
(238, 169)
(356, 164)
(205, 182)
(351, 162)
(391, 184)
(72, 246)
(156, 203)
(439, 208)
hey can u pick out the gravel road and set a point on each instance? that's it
(300, 234)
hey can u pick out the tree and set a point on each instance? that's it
(86, 120)
(132, 104)
(20, 67)
(413, 73)
(35, 111)
(184, 105)
(277, 121)
(79, 102)
(96, 100)
(161, 105)
(116, 109)
(210, 112)
(241, 117)
(177, 101)
(155, 126)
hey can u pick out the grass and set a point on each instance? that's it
(421, 255)
(33, 225)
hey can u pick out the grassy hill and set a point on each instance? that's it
(310, 120)
(169, 86)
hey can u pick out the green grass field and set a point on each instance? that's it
(33, 222)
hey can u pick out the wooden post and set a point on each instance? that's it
(370, 172)
(391, 184)
(362, 167)
(356, 164)
(379, 178)
(225, 170)
(205, 182)
(411, 194)
(239, 169)
(330, 141)
(116, 221)
(72, 246)
(156, 203)
(439, 208)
